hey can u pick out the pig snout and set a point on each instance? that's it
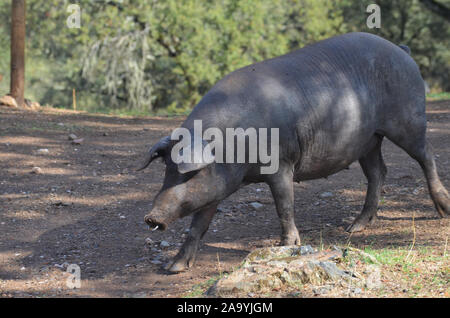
(155, 222)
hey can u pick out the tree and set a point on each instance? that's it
(407, 22)
(437, 8)
(18, 19)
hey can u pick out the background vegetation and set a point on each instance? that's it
(147, 56)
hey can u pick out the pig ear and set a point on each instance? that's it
(156, 151)
(194, 165)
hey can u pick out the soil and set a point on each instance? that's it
(86, 206)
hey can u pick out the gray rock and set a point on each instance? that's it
(78, 141)
(148, 241)
(164, 244)
(322, 290)
(274, 267)
(357, 291)
(43, 151)
(36, 170)
(331, 269)
(324, 195)
(256, 205)
(307, 249)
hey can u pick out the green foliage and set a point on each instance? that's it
(410, 23)
(142, 56)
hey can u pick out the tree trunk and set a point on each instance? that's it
(18, 50)
(437, 8)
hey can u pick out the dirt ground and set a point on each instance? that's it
(87, 205)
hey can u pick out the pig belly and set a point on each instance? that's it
(321, 159)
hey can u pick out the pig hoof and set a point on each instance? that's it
(360, 224)
(291, 240)
(355, 227)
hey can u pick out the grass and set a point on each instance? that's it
(199, 290)
(422, 272)
(438, 96)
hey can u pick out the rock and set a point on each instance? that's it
(148, 241)
(256, 205)
(43, 151)
(331, 269)
(77, 141)
(324, 195)
(271, 268)
(9, 101)
(164, 244)
(307, 249)
(323, 290)
(36, 170)
(357, 291)
(156, 262)
(35, 105)
(32, 105)
(72, 137)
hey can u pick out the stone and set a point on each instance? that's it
(272, 268)
(35, 105)
(324, 195)
(36, 170)
(307, 249)
(72, 137)
(32, 105)
(256, 205)
(43, 151)
(164, 244)
(357, 291)
(78, 141)
(9, 101)
(148, 241)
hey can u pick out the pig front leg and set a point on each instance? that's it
(282, 187)
(187, 253)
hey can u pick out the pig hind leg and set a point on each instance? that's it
(374, 169)
(412, 139)
(282, 187)
(187, 254)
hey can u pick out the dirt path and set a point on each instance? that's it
(87, 205)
